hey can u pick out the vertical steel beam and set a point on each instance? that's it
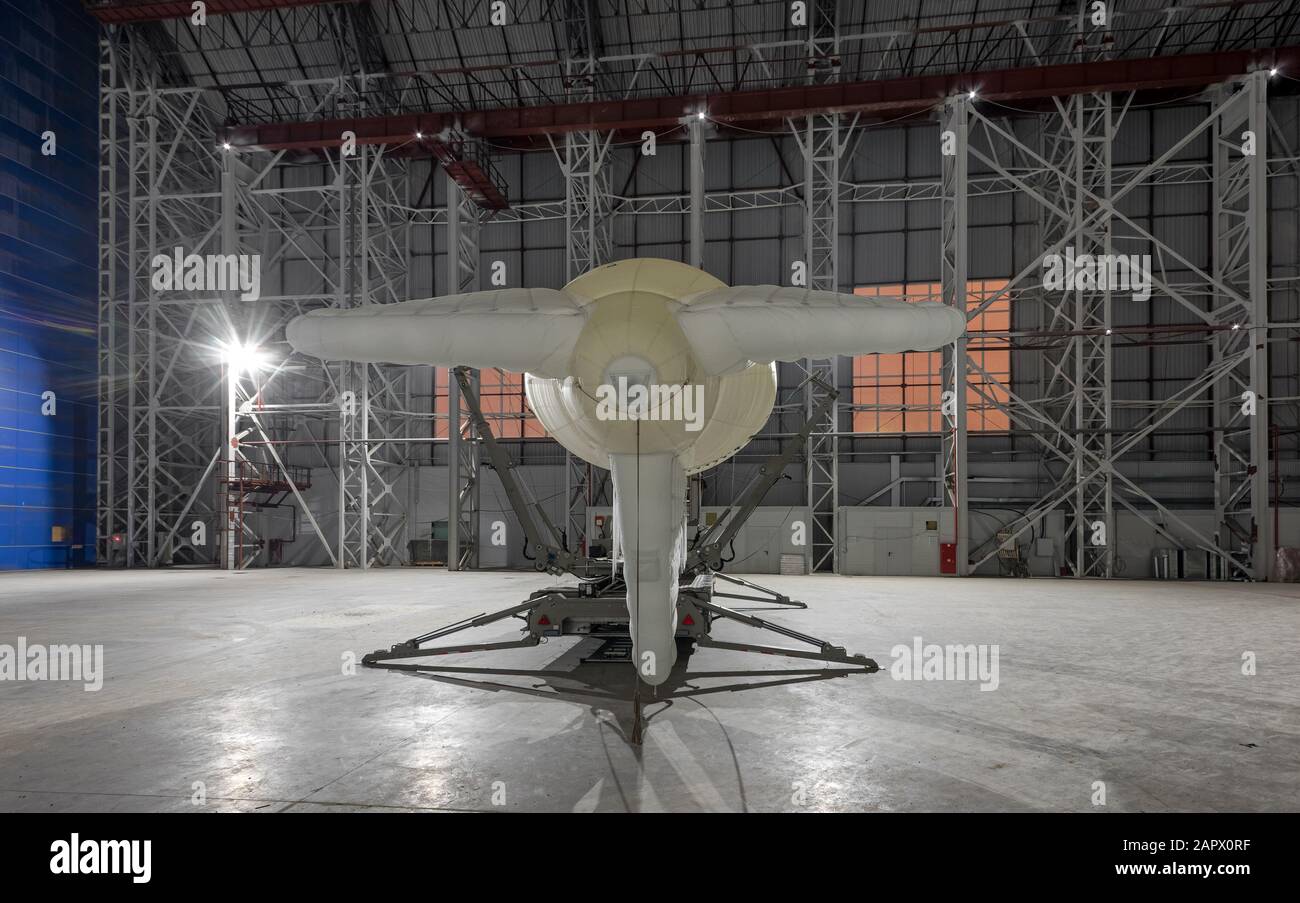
(1262, 551)
(455, 479)
(113, 325)
(462, 446)
(353, 413)
(820, 138)
(1094, 131)
(587, 203)
(232, 521)
(345, 404)
(954, 280)
(696, 180)
(589, 243)
(1241, 396)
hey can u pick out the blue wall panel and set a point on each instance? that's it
(49, 80)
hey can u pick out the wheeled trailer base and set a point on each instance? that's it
(578, 611)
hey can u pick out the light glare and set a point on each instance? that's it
(241, 357)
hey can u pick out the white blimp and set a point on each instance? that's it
(650, 368)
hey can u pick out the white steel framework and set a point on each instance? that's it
(1071, 416)
(172, 430)
(175, 432)
(821, 141)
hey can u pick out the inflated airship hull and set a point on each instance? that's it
(653, 324)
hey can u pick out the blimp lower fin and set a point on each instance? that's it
(650, 513)
(519, 329)
(728, 327)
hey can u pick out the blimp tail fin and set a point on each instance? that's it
(524, 330)
(650, 517)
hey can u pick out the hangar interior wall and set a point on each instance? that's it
(883, 240)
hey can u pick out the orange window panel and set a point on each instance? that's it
(440, 375)
(502, 393)
(502, 398)
(913, 379)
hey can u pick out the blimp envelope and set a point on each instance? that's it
(650, 368)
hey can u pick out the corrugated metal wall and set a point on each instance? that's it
(48, 262)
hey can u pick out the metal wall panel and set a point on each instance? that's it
(48, 241)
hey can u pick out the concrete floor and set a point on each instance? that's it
(236, 681)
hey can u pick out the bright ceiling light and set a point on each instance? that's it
(1273, 71)
(225, 145)
(700, 115)
(241, 357)
(971, 95)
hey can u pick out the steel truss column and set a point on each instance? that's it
(589, 219)
(114, 276)
(231, 523)
(387, 397)
(587, 201)
(463, 225)
(372, 403)
(1093, 132)
(142, 424)
(954, 273)
(353, 476)
(821, 142)
(1241, 409)
(374, 406)
(1078, 143)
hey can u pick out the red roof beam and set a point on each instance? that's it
(891, 97)
(119, 12)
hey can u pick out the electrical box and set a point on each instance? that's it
(947, 558)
